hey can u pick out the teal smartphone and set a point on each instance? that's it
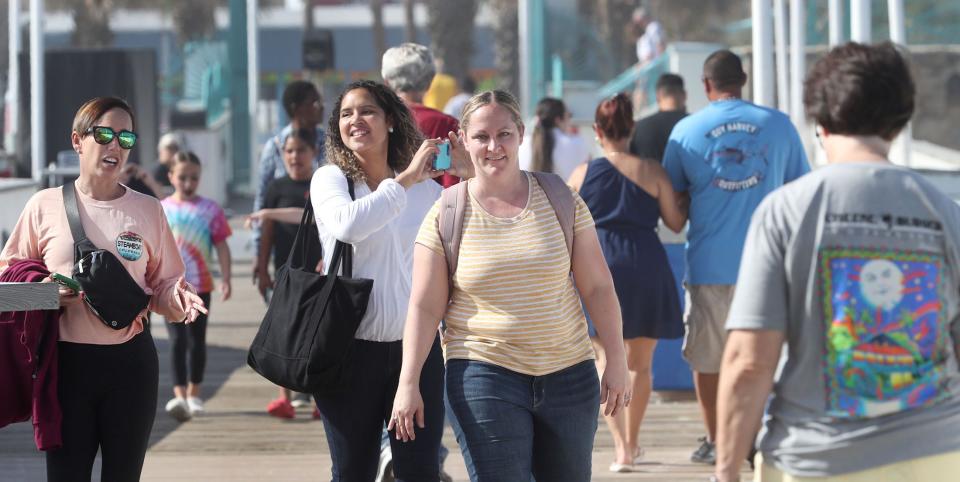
(442, 161)
(66, 282)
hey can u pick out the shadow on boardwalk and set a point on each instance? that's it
(237, 441)
(20, 460)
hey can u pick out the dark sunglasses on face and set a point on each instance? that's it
(104, 135)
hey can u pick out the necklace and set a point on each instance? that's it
(611, 153)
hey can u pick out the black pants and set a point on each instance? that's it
(189, 339)
(353, 419)
(108, 395)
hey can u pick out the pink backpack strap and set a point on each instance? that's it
(560, 197)
(453, 205)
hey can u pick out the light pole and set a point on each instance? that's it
(762, 53)
(12, 97)
(37, 117)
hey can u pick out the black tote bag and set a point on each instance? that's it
(306, 338)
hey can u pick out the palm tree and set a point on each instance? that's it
(379, 32)
(506, 35)
(92, 20)
(193, 19)
(409, 23)
(612, 20)
(451, 28)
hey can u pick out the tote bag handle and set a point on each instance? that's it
(304, 244)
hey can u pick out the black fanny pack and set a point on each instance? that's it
(108, 289)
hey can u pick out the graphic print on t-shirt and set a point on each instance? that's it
(130, 245)
(885, 348)
(738, 160)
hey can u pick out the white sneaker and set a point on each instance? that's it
(301, 400)
(178, 409)
(385, 466)
(195, 405)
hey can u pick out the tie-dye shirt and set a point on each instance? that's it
(197, 226)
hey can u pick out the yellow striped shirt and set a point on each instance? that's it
(514, 304)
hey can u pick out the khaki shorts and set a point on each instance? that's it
(935, 468)
(704, 318)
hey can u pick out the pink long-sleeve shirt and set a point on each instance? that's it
(133, 227)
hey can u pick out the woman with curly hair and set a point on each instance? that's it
(376, 151)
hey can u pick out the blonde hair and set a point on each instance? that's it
(498, 97)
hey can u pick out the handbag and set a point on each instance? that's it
(108, 289)
(306, 337)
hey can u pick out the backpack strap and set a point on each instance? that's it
(560, 197)
(453, 205)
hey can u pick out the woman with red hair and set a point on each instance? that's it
(627, 196)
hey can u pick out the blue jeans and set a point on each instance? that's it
(353, 419)
(514, 425)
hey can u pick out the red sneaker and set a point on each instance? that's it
(281, 408)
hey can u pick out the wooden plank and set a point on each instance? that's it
(29, 296)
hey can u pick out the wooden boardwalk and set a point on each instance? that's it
(237, 441)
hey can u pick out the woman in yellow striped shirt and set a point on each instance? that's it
(520, 377)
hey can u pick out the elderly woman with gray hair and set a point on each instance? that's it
(408, 69)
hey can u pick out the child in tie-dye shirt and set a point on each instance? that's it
(199, 227)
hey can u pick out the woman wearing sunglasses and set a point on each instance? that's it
(108, 377)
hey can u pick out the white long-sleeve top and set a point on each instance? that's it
(382, 226)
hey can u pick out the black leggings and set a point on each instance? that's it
(190, 338)
(108, 395)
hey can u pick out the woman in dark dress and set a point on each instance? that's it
(627, 195)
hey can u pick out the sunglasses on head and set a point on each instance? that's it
(104, 135)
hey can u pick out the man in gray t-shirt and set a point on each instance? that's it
(856, 267)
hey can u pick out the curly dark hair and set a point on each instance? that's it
(859, 89)
(403, 142)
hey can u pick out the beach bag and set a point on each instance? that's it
(306, 337)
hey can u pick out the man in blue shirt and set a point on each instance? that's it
(726, 159)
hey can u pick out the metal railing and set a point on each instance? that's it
(638, 76)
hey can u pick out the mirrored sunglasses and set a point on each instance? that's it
(104, 135)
